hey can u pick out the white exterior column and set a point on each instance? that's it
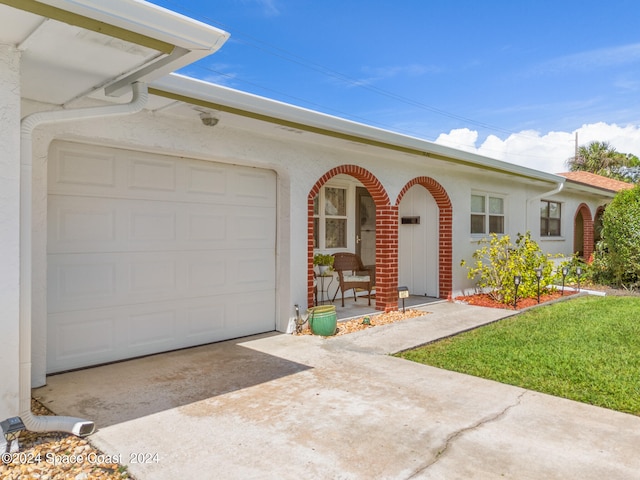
(9, 230)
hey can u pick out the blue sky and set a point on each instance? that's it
(513, 80)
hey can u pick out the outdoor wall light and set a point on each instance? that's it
(517, 280)
(538, 277)
(208, 120)
(403, 292)
(578, 273)
(565, 272)
(11, 428)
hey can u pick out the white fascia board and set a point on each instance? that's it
(151, 20)
(217, 94)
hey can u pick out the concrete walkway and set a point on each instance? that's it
(284, 407)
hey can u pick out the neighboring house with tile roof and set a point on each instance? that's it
(598, 181)
(592, 180)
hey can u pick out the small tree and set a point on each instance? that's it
(617, 258)
(498, 261)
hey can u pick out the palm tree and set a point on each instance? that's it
(600, 158)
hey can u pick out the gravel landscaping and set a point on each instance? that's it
(376, 319)
(58, 456)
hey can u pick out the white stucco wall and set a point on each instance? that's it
(299, 159)
(9, 229)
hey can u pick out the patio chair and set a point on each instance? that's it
(352, 274)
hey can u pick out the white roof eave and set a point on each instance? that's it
(190, 39)
(216, 94)
(148, 19)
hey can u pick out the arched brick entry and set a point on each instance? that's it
(597, 225)
(386, 236)
(445, 237)
(587, 230)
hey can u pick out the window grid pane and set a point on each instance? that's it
(335, 201)
(477, 224)
(496, 205)
(477, 204)
(336, 233)
(550, 218)
(496, 224)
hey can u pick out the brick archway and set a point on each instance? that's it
(445, 235)
(597, 226)
(386, 235)
(587, 230)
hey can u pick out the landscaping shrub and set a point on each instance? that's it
(498, 261)
(617, 256)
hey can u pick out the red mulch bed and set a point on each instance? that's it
(484, 300)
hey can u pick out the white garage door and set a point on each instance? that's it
(149, 253)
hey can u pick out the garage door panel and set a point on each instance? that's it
(153, 175)
(73, 281)
(94, 171)
(71, 339)
(83, 169)
(89, 224)
(89, 337)
(207, 182)
(253, 272)
(207, 227)
(82, 281)
(158, 253)
(252, 187)
(252, 313)
(206, 322)
(249, 228)
(72, 224)
(153, 227)
(150, 330)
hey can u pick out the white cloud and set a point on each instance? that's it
(461, 138)
(547, 152)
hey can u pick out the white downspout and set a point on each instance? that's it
(558, 189)
(76, 426)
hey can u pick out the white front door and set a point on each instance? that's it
(149, 253)
(418, 242)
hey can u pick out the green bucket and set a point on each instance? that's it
(323, 320)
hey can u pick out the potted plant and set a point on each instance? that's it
(323, 261)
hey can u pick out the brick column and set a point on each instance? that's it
(387, 258)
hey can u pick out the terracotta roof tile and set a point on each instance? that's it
(587, 178)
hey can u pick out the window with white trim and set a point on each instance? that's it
(330, 218)
(487, 214)
(550, 218)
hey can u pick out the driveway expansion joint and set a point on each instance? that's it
(457, 434)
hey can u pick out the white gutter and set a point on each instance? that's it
(76, 426)
(550, 193)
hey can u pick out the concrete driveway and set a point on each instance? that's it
(286, 407)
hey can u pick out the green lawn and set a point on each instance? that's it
(586, 349)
